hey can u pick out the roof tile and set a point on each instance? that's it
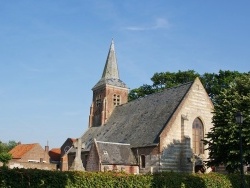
(21, 149)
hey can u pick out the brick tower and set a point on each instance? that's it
(109, 92)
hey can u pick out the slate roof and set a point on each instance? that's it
(110, 81)
(141, 121)
(18, 151)
(115, 153)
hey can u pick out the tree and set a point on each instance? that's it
(140, 92)
(214, 83)
(223, 139)
(6, 147)
(161, 81)
(167, 79)
(5, 158)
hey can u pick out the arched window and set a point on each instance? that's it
(198, 136)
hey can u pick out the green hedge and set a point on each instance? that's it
(24, 178)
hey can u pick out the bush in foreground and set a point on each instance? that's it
(20, 178)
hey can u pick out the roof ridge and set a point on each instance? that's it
(117, 143)
(161, 91)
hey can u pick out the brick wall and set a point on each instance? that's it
(100, 114)
(120, 168)
(36, 153)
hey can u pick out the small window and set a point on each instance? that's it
(116, 100)
(98, 100)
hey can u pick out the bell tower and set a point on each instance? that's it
(108, 93)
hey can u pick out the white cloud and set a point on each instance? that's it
(160, 23)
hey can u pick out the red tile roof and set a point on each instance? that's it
(55, 154)
(21, 149)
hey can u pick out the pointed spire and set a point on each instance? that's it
(111, 67)
(110, 75)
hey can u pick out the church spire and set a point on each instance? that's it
(110, 75)
(108, 93)
(111, 68)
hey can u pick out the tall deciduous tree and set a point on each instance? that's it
(214, 83)
(223, 139)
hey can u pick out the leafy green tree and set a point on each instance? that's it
(140, 92)
(223, 138)
(6, 147)
(167, 79)
(214, 83)
(161, 81)
(5, 158)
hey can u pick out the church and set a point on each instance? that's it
(159, 132)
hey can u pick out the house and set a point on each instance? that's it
(30, 156)
(55, 156)
(160, 132)
(67, 159)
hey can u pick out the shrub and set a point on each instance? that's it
(33, 178)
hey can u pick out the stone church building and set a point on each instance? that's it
(160, 132)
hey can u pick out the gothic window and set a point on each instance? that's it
(98, 100)
(116, 100)
(198, 136)
(143, 161)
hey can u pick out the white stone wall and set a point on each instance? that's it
(175, 141)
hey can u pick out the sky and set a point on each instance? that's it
(53, 52)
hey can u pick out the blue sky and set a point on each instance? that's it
(53, 52)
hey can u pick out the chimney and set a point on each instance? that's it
(46, 153)
(47, 149)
